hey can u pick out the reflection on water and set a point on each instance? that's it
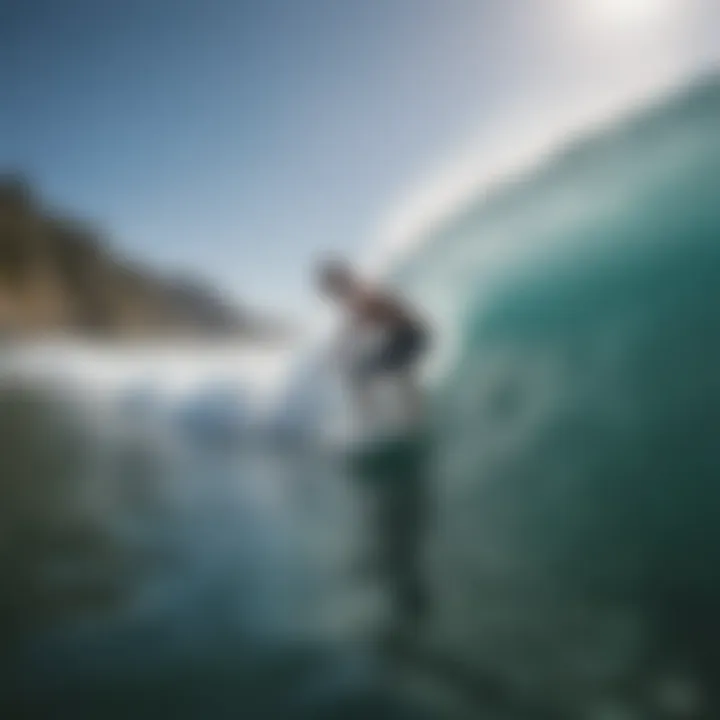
(44, 521)
(189, 579)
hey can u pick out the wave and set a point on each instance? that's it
(577, 412)
(641, 179)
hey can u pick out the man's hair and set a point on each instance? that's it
(333, 273)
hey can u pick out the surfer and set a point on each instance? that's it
(393, 474)
(404, 337)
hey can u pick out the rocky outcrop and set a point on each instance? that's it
(58, 274)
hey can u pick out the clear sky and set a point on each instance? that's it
(239, 138)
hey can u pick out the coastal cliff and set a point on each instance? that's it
(60, 275)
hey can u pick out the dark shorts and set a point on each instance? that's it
(400, 351)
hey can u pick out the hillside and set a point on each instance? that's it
(59, 275)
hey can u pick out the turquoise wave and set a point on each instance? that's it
(579, 411)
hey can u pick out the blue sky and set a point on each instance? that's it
(240, 139)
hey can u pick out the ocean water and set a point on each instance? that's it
(560, 514)
(577, 420)
(166, 555)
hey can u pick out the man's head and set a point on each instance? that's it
(336, 279)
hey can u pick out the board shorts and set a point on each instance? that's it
(399, 351)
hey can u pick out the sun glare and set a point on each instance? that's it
(628, 12)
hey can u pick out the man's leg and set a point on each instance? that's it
(361, 392)
(411, 395)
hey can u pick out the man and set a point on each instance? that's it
(404, 336)
(393, 479)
